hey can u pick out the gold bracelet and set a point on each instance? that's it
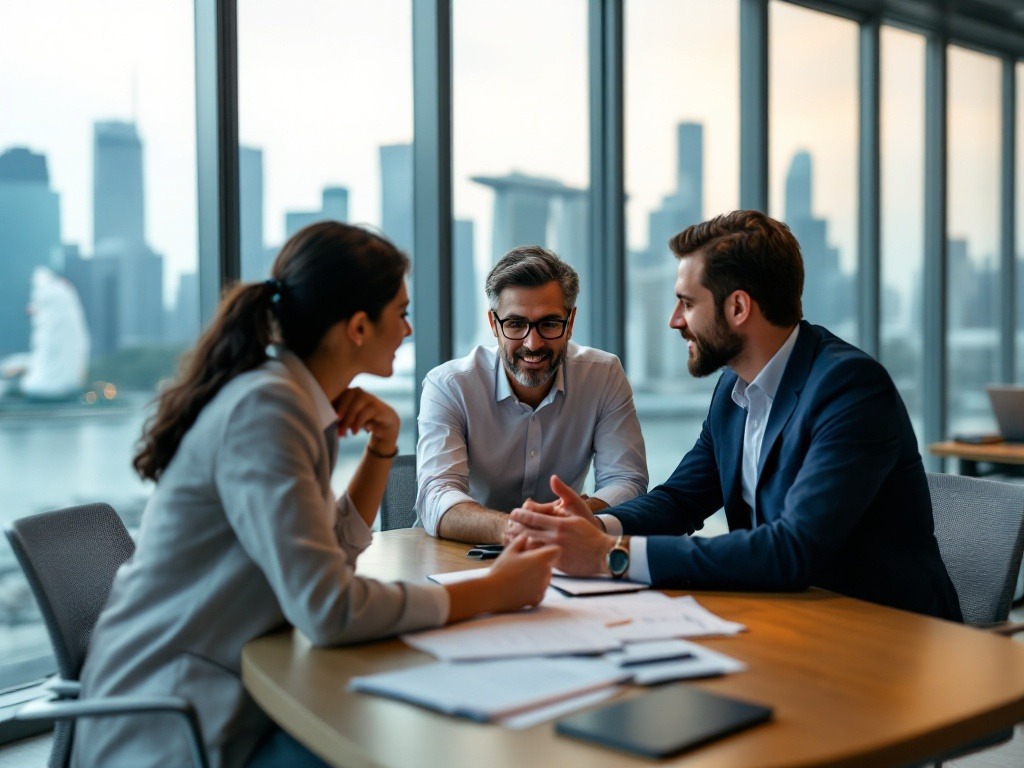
(374, 452)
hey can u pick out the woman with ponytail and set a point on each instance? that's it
(243, 534)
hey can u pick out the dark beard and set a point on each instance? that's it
(714, 353)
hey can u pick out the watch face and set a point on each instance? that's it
(618, 562)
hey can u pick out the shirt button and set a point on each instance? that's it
(532, 454)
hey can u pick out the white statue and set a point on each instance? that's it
(57, 363)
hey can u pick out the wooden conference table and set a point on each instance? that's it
(971, 455)
(851, 683)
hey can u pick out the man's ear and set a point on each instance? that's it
(357, 327)
(738, 308)
(492, 322)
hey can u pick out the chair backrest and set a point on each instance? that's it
(397, 506)
(69, 557)
(980, 528)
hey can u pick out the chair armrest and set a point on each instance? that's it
(63, 689)
(67, 709)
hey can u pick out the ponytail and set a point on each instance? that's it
(235, 342)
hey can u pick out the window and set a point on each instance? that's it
(682, 167)
(973, 238)
(521, 157)
(98, 234)
(813, 155)
(325, 132)
(902, 216)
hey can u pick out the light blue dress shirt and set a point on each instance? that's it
(756, 399)
(478, 442)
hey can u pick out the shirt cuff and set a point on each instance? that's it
(613, 495)
(426, 606)
(612, 526)
(354, 535)
(639, 568)
(436, 507)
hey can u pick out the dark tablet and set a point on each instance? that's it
(663, 722)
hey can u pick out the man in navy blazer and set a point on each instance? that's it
(807, 445)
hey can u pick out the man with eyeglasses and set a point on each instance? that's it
(496, 424)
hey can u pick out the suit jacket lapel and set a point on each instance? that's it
(793, 379)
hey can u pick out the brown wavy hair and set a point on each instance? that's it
(749, 251)
(325, 273)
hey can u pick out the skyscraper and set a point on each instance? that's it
(654, 269)
(118, 195)
(828, 293)
(467, 316)
(119, 233)
(250, 213)
(333, 207)
(396, 192)
(29, 237)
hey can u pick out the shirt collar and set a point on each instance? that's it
(325, 413)
(770, 376)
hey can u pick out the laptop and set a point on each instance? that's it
(1008, 407)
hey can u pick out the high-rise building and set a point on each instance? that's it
(828, 293)
(250, 213)
(98, 282)
(467, 314)
(119, 233)
(655, 347)
(118, 195)
(396, 192)
(333, 207)
(29, 238)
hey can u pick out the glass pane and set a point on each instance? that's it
(98, 238)
(682, 167)
(902, 216)
(521, 156)
(325, 126)
(1020, 222)
(813, 155)
(973, 260)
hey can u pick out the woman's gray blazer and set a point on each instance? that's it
(241, 537)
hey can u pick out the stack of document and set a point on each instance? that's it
(522, 692)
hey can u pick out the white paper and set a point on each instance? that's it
(566, 707)
(544, 631)
(492, 690)
(699, 662)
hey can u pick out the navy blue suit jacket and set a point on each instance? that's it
(841, 493)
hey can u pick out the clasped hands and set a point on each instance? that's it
(568, 523)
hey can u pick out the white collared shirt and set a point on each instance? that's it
(479, 442)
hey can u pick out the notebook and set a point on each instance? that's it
(1008, 407)
(664, 722)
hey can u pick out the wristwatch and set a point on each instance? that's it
(617, 559)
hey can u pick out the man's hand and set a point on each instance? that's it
(571, 525)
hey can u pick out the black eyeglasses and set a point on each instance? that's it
(517, 328)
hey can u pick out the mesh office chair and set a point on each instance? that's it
(979, 525)
(396, 508)
(70, 557)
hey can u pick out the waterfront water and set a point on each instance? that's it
(54, 459)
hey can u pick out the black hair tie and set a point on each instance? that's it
(276, 288)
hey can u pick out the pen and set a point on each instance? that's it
(619, 623)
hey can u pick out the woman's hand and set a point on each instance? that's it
(359, 410)
(517, 580)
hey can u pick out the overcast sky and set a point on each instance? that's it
(324, 83)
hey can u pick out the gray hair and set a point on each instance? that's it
(530, 266)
